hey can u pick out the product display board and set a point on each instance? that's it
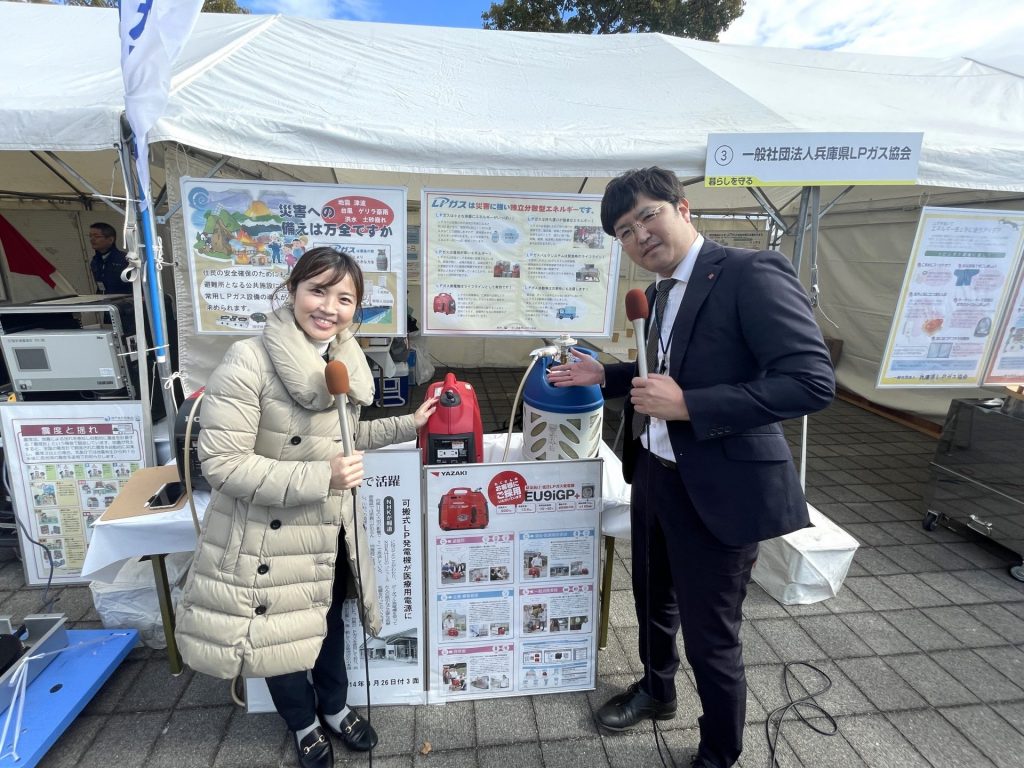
(512, 561)
(955, 292)
(516, 264)
(67, 461)
(244, 237)
(390, 495)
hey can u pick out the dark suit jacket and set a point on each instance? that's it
(747, 353)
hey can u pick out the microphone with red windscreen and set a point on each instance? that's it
(638, 310)
(337, 384)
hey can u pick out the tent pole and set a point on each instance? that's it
(209, 175)
(801, 226)
(141, 357)
(95, 192)
(155, 305)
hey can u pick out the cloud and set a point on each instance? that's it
(897, 27)
(358, 10)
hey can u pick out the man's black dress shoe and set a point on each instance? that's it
(355, 732)
(626, 710)
(315, 750)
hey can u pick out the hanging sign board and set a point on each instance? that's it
(811, 159)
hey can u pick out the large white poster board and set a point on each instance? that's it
(512, 559)
(390, 495)
(516, 264)
(244, 237)
(955, 291)
(66, 462)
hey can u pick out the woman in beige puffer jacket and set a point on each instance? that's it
(278, 543)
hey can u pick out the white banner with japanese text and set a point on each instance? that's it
(796, 159)
(390, 497)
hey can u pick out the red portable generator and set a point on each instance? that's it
(444, 304)
(462, 508)
(454, 434)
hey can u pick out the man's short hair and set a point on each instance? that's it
(104, 229)
(621, 193)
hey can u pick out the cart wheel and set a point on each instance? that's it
(931, 521)
(1017, 571)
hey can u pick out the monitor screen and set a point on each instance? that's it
(31, 358)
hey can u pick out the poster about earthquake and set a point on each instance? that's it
(67, 463)
(954, 294)
(497, 263)
(244, 238)
(512, 567)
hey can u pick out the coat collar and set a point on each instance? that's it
(301, 369)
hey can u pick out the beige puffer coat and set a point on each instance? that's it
(257, 595)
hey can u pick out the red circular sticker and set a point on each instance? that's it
(507, 488)
(357, 211)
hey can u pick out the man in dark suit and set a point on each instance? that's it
(733, 350)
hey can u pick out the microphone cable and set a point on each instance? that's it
(359, 596)
(659, 737)
(47, 604)
(777, 716)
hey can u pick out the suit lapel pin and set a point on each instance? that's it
(711, 275)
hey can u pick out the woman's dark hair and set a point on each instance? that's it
(621, 193)
(328, 264)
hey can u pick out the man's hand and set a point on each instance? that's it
(659, 396)
(584, 371)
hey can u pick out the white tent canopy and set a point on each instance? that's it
(433, 100)
(428, 106)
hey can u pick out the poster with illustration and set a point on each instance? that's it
(244, 238)
(516, 264)
(67, 463)
(954, 296)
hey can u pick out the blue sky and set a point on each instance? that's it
(903, 27)
(441, 13)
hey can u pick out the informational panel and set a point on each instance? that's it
(390, 495)
(818, 159)
(516, 264)
(958, 280)
(67, 463)
(1007, 362)
(244, 237)
(735, 233)
(512, 561)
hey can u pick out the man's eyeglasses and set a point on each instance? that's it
(626, 233)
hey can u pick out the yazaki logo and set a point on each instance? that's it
(449, 472)
(356, 211)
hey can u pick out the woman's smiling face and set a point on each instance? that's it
(324, 311)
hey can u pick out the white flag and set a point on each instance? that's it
(153, 32)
